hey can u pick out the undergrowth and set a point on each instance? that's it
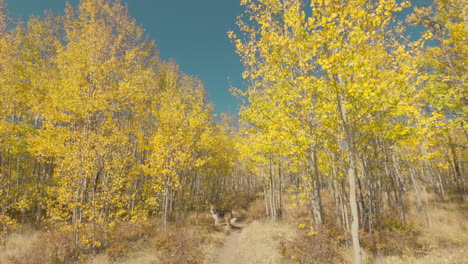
(318, 246)
(392, 242)
(182, 242)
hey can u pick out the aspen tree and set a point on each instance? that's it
(353, 65)
(87, 113)
(7, 129)
(94, 129)
(443, 59)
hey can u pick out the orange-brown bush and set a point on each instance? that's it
(257, 209)
(241, 201)
(58, 246)
(393, 237)
(125, 236)
(51, 247)
(182, 242)
(178, 246)
(320, 246)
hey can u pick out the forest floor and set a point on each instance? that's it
(255, 242)
(228, 253)
(445, 241)
(253, 239)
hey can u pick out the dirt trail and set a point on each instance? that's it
(257, 242)
(228, 253)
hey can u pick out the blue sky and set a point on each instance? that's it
(193, 32)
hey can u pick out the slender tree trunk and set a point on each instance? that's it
(272, 192)
(336, 193)
(352, 159)
(166, 203)
(399, 187)
(458, 174)
(280, 206)
(317, 188)
(344, 201)
(378, 199)
(354, 213)
(438, 186)
(265, 196)
(417, 190)
(428, 213)
(313, 182)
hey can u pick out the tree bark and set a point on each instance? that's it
(316, 190)
(352, 159)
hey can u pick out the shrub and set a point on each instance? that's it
(52, 247)
(122, 238)
(314, 246)
(393, 237)
(257, 209)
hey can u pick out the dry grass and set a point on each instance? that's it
(444, 242)
(257, 210)
(188, 241)
(195, 240)
(258, 242)
(45, 247)
(320, 246)
(191, 239)
(310, 244)
(415, 242)
(449, 224)
(450, 256)
(17, 245)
